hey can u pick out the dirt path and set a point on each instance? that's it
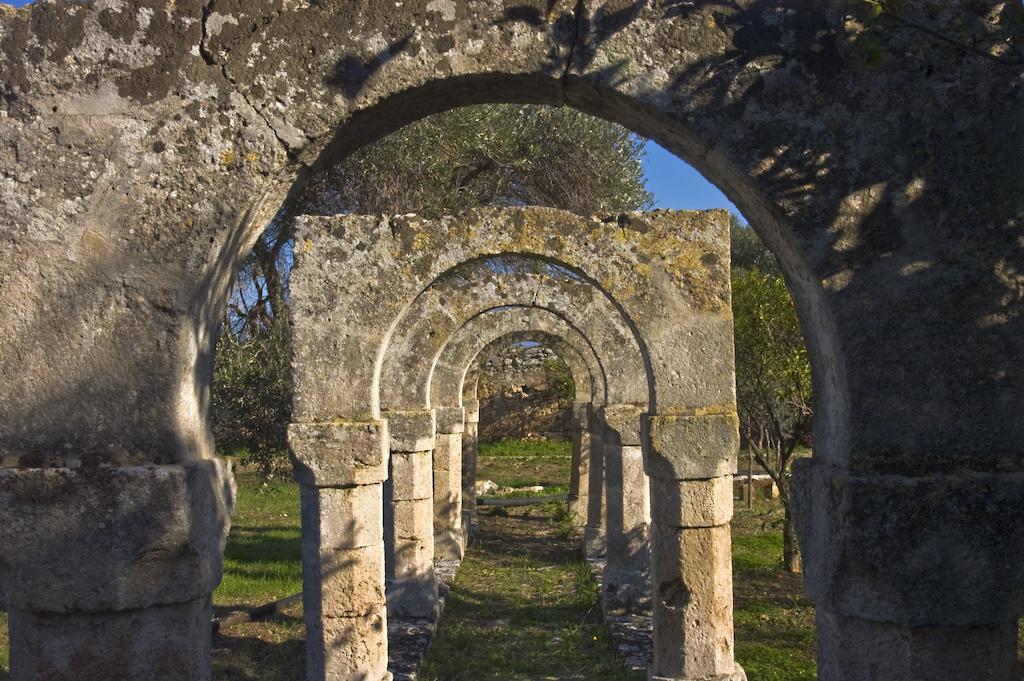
(523, 607)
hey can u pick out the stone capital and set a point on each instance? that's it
(624, 420)
(339, 454)
(691, 447)
(412, 431)
(450, 419)
(917, 551)
(112, 538)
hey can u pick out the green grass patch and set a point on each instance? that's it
(774, 621)
(523, 607)
(531, 448)
(262, 558)
(5, 660)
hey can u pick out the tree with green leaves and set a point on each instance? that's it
(504, 155)
(773, 374)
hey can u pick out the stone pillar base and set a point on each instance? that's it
(594, 545)
(167, 642)
(738, 675)
(853, 649)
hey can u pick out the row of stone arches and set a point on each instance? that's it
(388, 318)
(145, 149)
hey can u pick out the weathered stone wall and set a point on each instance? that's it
(518, 399)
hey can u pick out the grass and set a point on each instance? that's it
(261, 561)
(261, 564)
(526, 448)
(774, 621)
(5, 661)
(532, 463)
(523, 607)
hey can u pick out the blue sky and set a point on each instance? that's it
(677, 185)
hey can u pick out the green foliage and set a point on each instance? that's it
(772, 369)
(497, 154)
(773, 373)
(747, 249)
(251, 398)
(559, 379)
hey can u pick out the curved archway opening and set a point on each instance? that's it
(501, 254)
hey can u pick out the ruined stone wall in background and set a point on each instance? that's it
(523, 395)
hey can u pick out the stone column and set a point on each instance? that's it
(409, 513)
(340, 468)
(470, 440)
(579, 480)
(627, 504)
(691, 461)
(594, 534)
(448, 538)
(107, 572)
(913, 576)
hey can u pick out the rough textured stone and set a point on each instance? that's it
(144, 150)
(453, 303)
(481, 335)
(663, 268)
(344, 518)
(852, 649)
(850, 525)
(449, 542)
(692, 447)
(409, 536)
(623, 420)
(412, 475)
(450, 419)
(594, 536)
(169, 642)
(692, 503)
(412, 431)
(348, 648)
(331, 454)
(692, 582)
(628, 517)
(107, 539)
(579, 480)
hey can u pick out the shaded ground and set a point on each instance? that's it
(523, 607)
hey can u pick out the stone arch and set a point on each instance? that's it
(122, 254)
(357, 277)
(419, 337)
(484, 331)
(583, 245)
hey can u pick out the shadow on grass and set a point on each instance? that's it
(273, 650)
(523, 607)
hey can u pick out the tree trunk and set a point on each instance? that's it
(791, 559)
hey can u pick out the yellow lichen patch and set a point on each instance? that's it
(227, 157)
